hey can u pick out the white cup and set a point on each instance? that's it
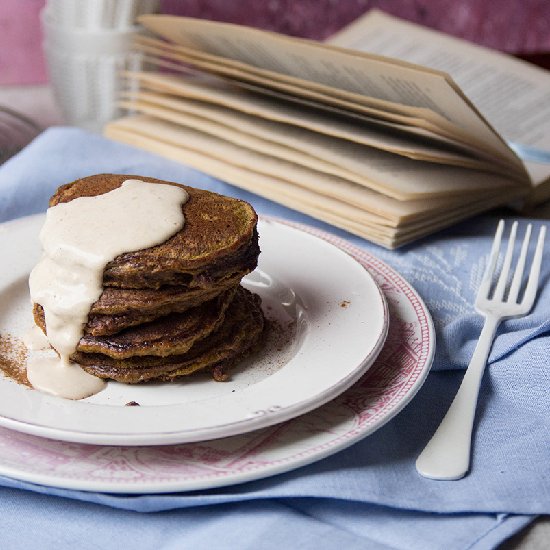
(90, 42)
(86, 87)
(85, 68)
(98, 14)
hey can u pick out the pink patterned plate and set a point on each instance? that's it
(389, 384)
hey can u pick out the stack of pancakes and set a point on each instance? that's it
(176, 308)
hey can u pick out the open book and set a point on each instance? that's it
(384, 148)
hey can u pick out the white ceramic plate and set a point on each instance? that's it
(379, 395)
(333, 321)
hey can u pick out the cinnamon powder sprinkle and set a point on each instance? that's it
(13, 359)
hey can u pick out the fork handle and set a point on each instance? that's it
(447, 454)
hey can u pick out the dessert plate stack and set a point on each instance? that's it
(350, 343)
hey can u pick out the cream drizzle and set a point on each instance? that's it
(35, 339)
(79, 239)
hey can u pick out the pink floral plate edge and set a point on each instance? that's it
(389, 385)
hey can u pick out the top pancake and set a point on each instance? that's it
(218, 239)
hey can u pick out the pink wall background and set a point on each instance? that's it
(21, 60)
(516, 26)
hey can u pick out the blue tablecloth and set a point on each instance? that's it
(368, 496)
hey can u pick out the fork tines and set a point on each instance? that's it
(514, 288)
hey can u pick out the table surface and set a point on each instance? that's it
(38, 103)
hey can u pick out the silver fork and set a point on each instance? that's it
(447, 454)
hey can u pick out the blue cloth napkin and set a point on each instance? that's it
(368, 496)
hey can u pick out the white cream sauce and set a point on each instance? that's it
(79, 239)
(35, 339)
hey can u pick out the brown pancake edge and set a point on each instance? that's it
(175, 308)
(172, 334)
(219, 237)
(239, 334)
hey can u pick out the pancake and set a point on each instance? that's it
(172, 334)
(120, 308)
(115, 301)
(176, 308)
(237, 335)
(218, 241)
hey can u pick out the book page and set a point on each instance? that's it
(513, 95)
(415, 141)
(386, 173)
(365, 75)
(409, 119)
(390, 211)
(172, 51)
(381, 135)
(244, 72)
(384, 136)
(144, 133)
(432, 127)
